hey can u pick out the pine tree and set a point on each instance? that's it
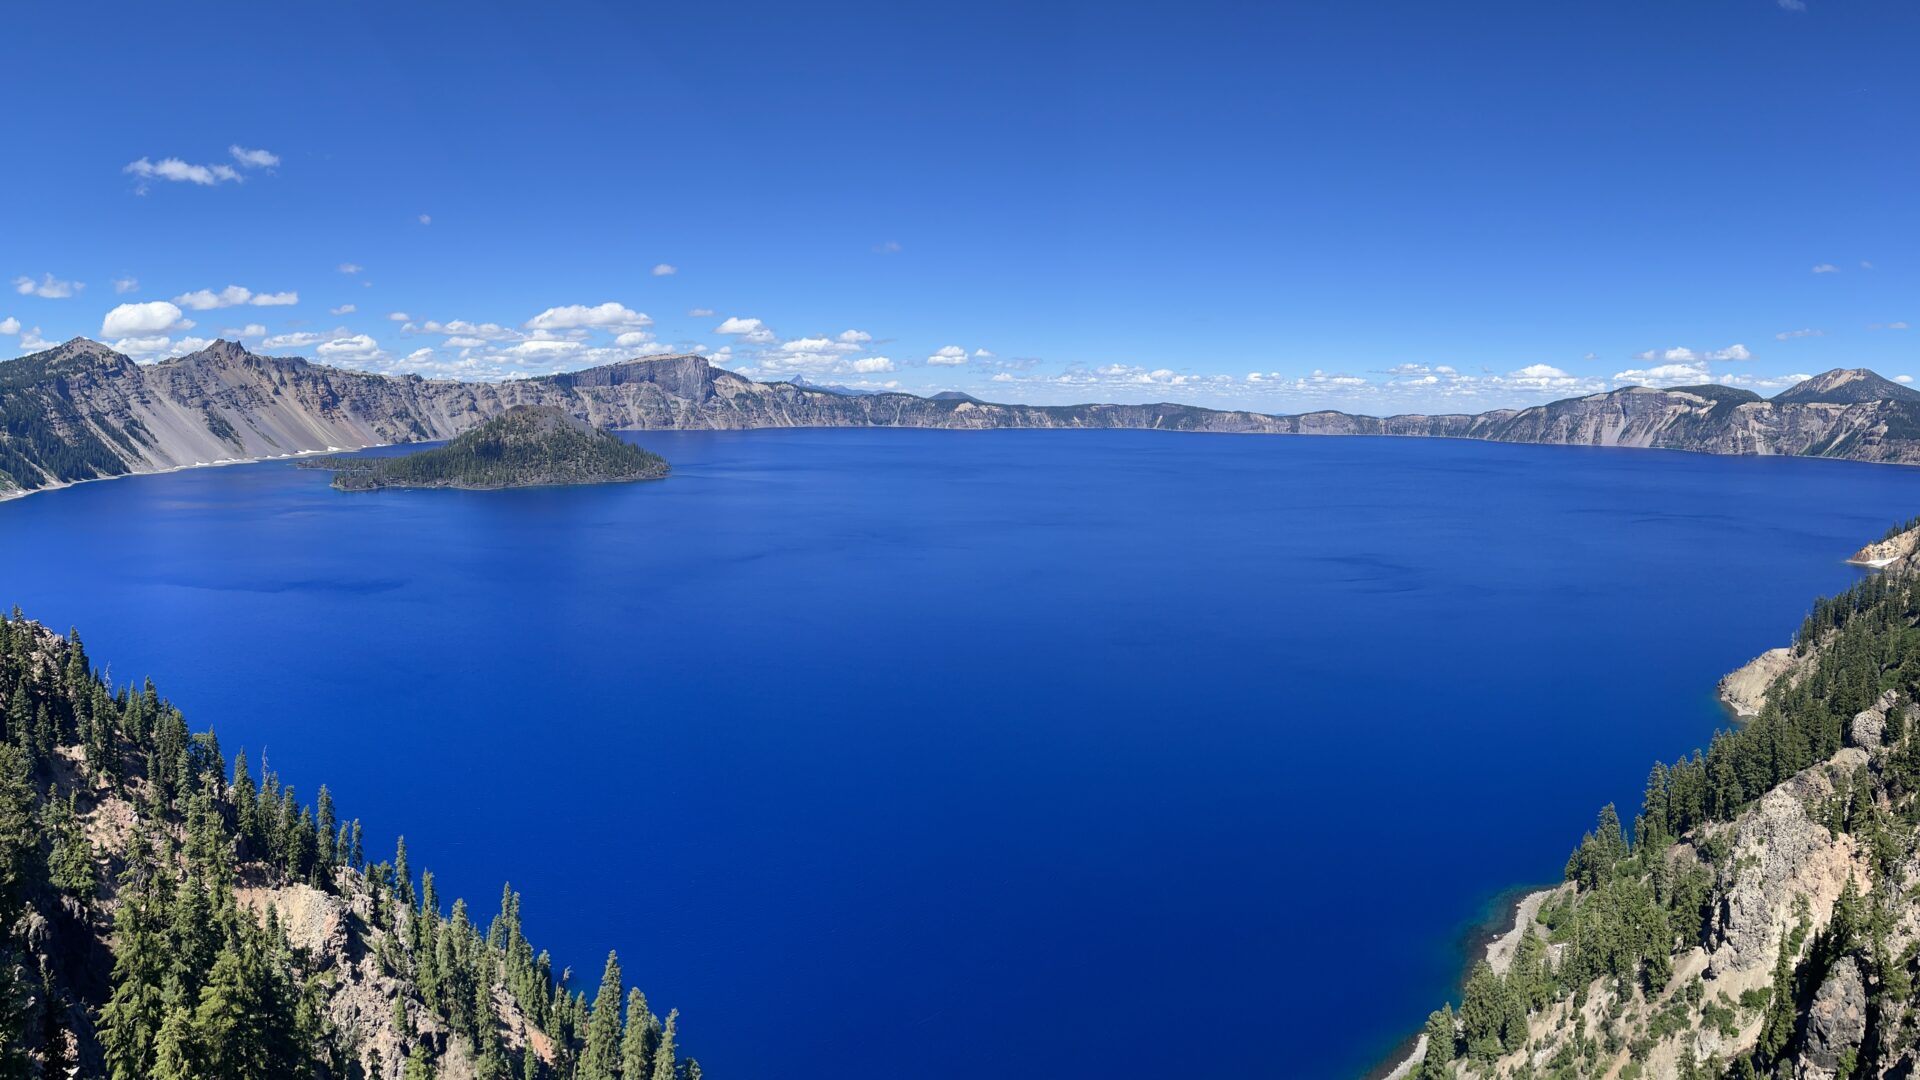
(1437, 1062)
(19, 840)
(601, 1059)
(636, 1049)
(663, 1056)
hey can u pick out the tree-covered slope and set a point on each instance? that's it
(525, 446)
(164, 918)
(1761, 918)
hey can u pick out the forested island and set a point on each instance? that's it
(526, 446)
(164, 917)
(1760, 918)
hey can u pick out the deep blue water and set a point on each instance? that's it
(890, 753)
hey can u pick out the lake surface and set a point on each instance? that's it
(892, 754)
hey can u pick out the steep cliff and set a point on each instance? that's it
(81, 411)
(1761, 918)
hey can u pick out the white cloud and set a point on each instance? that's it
(181, 172)
(32, 341)
(1682, 374)
(1888, 326)
(633, 339)
(700, 313)
(343, 309)
(351, 268)
(48, 287)
(207, 299)
(855, 337)
(253, 159)
(1543, 377)
(457, 342)
(1826, 268)
(134, 320)
(142, 346)
(1865, 264)
(1789, 335)
(398, 316)
(748, 330)
(664, 269)
(869, 365)
(293, 341)
(425, 219)
(125, 285)
(1903, 378)
(948, 356)
(574, 316)
(9, 325)
(887, 247)
(353, 347)
(233, 296)
(1678, 355)
(982, 354)
(247, 331)
(544, 347)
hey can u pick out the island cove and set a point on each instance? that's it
(82, 411)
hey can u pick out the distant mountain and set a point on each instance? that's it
(1847, 386)
(82, 411)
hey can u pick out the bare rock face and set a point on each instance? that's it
(1779, 854)
(1836, 1023)
(1745, 691)
(1869, 727)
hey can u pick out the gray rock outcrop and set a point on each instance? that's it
(1836, 1023)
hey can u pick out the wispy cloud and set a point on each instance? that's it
(47, 288)
(253, 159)
(126, 285)
(351, 268)
(1680, 355)
(1789, 335)
(234, 296)
(665, 270)
(1825, 268)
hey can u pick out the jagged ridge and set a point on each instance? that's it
(81, 411)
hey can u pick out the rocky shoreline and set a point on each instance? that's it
(1497, 948)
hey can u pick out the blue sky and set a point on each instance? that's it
(1378, 207)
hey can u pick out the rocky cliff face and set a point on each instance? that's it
(1778, 935)
(82, 411)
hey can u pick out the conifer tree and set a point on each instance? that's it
(663, 1055)
(601, 1058)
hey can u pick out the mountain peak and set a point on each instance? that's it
(1846, 386)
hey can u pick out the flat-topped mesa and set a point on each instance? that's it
(686, 374)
